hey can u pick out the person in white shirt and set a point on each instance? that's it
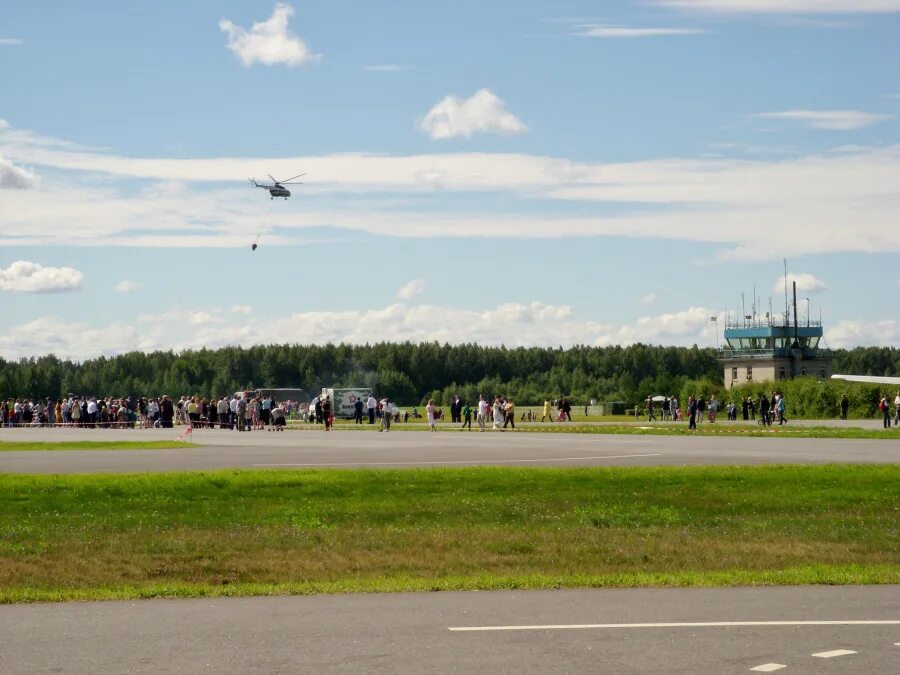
(481, 415)
(897, 407)
(92, 411)
(499, 416)
(371, 404)
(429, 412)
(387, 412)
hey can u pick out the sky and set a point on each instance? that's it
(518, 173)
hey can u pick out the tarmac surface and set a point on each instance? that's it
(604, 631)
(217, 448)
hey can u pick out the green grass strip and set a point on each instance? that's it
(9, 446)
(338, 531)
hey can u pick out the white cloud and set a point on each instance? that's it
(839, 120)
(510, 323)
(11, 41)
(29, 277)
(647, 299)
(614, 31)
(483, 113)
(411, 290)
(241, 309)
(787, 6)
(846, 334)
(126, 286)
(269, 42)
(15, 177)
(806, 283)
(750, 208)
(386, 68)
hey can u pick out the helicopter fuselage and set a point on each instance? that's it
(279, 191)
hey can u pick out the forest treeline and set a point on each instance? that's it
(407, 372)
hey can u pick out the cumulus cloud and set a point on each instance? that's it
(787, 6)
(411, 290)
(15, 177)
(836, 120)
(126, 286)
(647, 299)
(511, 323)
(806, 283)
(29, 277)
(614, 31)
(482, 113)
(241, 309)
(846, 334)
(269, 42)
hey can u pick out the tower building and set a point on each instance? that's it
(767, 349)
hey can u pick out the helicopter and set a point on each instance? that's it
(277, 188)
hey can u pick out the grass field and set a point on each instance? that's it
(252, 532)
(91, 445)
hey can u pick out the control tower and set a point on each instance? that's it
(767, 349)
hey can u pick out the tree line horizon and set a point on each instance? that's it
(408, 372)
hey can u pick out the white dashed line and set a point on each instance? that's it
(706, 624)
(769, 667)
(833, 653)
(468, 461)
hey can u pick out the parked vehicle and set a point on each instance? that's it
(344, 399)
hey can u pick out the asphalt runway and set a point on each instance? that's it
(803, 629)
(314, 449)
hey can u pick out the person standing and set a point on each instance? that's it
(897, 409)
(885, 407)
(650, 416)
(327, 413)
(358, 410)
(745, 408)
(545, 413)
(371, 404)
(482, 414)
(429, 413)
(498, 414)
(713, 408)
(167, 412)
(387, 412)
(692, 412)
(845, 406)
(764, 416)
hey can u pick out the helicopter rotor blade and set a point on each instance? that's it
(299, 175)
(274, 180)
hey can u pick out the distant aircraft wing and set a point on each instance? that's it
(871, 379)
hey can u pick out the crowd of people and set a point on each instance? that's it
(771, 410)
(248, 412)
(241, 412)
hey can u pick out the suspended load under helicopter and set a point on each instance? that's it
(277, 189)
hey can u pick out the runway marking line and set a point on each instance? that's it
(467, 461)
(833, 653)
(769, 667)
(697, 624)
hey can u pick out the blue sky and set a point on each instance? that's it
(524, 173)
